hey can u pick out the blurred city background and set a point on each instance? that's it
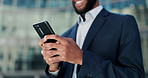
(20, 55)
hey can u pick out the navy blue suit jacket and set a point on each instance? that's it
(111, 49)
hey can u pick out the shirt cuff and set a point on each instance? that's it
(54, 73)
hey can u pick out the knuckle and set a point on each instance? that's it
(49, 63)
(43, 53)
(46, 44)
(41, 43)
(46, 61)
(64, 57)
(55, 36)
(50, 53)
(53, 59)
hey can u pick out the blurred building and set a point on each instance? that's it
(19, 50)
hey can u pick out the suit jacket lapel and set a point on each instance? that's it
(96, 25)
(70, 67)
(74, 32)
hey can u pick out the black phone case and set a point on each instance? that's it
(44, 28)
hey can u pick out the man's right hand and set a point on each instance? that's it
(52, 66)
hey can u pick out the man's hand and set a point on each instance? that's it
(67, 50)
(53, 66)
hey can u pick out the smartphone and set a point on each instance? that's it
(44, 28)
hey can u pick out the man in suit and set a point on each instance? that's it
(100, 45)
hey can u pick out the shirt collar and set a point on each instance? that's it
(92, 13)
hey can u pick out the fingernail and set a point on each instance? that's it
(49, 59)
(42, 51)
(57, 42)
(45, 38)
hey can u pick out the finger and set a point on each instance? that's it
(56, 37)
(51, 60)
(54, 59)
(43, 53)
(54, 48)
(51, 45)
(51, 53)
(41, 42)
(47, 60)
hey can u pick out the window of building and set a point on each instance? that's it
(8, 2)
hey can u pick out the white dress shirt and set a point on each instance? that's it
(82, 31)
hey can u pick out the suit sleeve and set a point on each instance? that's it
(49, 75)
(129, 58)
